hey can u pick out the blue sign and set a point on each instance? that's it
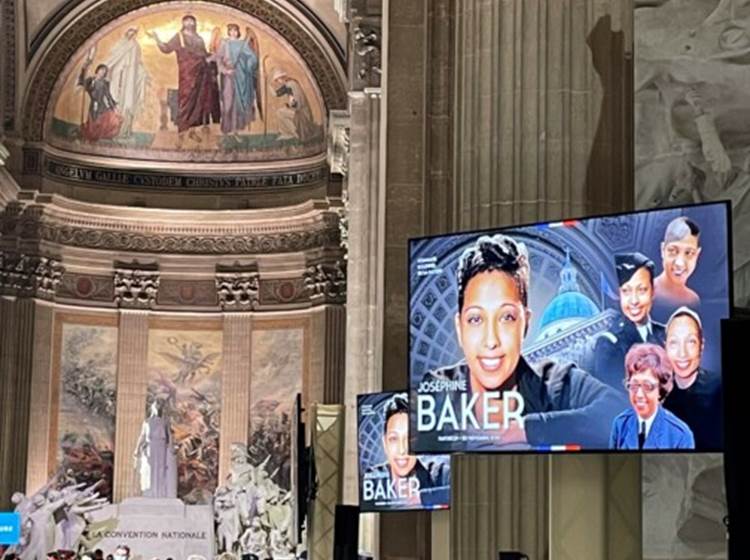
(10, 528)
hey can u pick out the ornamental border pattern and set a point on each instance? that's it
(188, 244)
(35, 106)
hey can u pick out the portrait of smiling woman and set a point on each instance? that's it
(507, 401)
(647, 425)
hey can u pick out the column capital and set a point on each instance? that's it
(326, 282)
(136, 285)
(36, 276)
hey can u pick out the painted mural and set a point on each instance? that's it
(87, 403)
(692, 112)
(277, 373)
(184, 368)
(187, 81)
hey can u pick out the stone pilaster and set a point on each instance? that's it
(365, 273)
(335, 354)
(132, 388)
(235, 386)
(16, 358)
(40, 405)
(327, 335)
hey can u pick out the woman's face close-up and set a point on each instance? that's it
(491, 327)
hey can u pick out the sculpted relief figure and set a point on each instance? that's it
(54, 518)
(155, 459)
(253, 514)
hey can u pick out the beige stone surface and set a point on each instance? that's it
(132, 388)
(235, 386)
(37, 472)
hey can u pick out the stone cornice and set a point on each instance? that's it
(60, 221)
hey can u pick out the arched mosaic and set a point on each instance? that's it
(187, 81)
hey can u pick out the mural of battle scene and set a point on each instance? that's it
(254, 509)
(684, 507)
(187, 81)
(86, 419)
(185, 377)
(276, 378)
(692, 111)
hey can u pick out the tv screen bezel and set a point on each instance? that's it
(501, 229)
(386, 509)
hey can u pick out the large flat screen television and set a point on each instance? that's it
(596, 334)
(391, 479)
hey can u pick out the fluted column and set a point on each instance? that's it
(235, 386)
(543, 109)
(16, 358)
(541, 131)
(335, 354)
(508, 512)
(40, 405)
(132, 389)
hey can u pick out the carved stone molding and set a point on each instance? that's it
(338, 142)
(56, 220)
(188, 244)
(86, 287)
(283, 291)
(136, 285)
(30, 275)
(322, 66)
(178, 293)
(326, 282)
(238, 287)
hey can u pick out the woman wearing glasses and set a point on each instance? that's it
(648, 425)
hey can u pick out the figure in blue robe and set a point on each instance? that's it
(238, 68)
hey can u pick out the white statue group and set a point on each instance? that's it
(55, 518)
(254, 515)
